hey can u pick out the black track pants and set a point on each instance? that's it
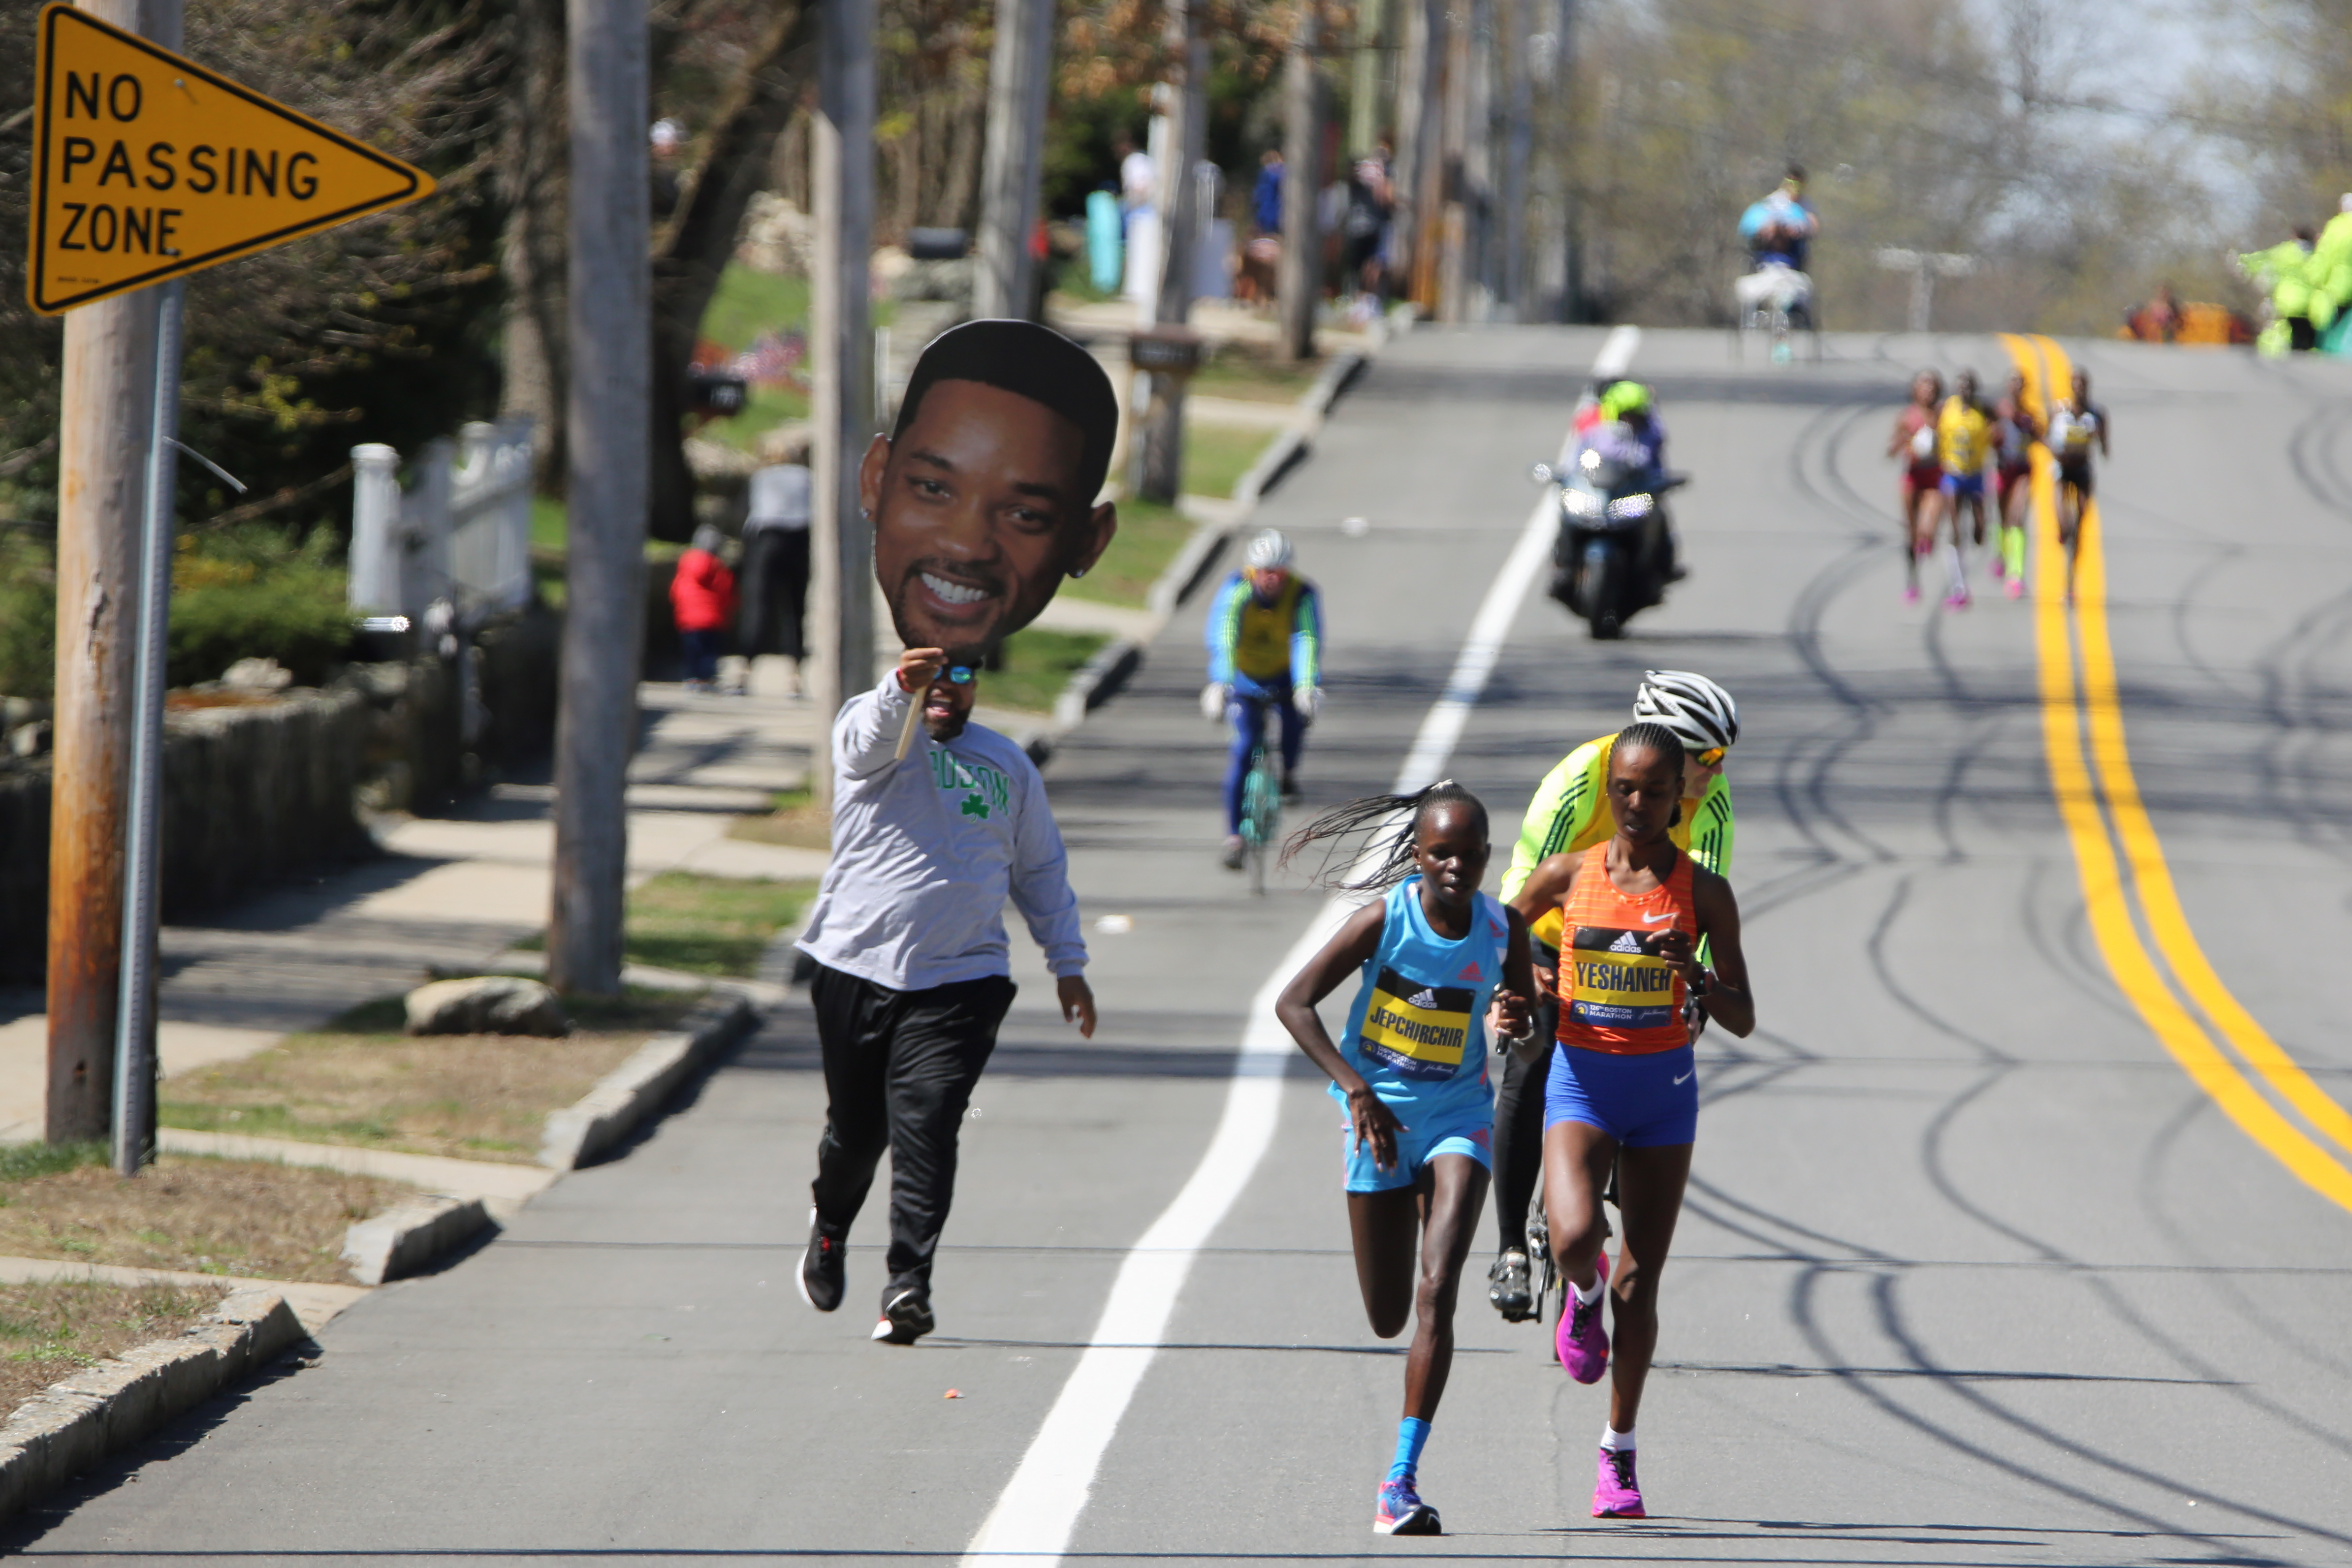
(899, 1068)
(1518, 1131)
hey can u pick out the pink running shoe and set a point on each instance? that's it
(1957, 600)
(2016, 589)
(1582, 1342)
(1911, 595)
(2000, 567)
(1617, 1494)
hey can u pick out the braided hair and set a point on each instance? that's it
(1649, 735)
(1368, 844)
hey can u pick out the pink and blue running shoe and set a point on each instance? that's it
(1581, 1340)
(1401, 1511)
(1617, 1494)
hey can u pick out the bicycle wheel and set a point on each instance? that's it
(1261, 813)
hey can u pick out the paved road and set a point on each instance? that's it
(1973, 1272)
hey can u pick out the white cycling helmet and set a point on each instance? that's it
(1700, 712)
(1269, 549)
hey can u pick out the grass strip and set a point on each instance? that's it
(363, 1082)
(1217, 455)
(236, 1218)
(52, 1330)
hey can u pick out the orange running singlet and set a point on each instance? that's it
(1615, 994)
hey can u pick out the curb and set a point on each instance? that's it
(74, 1423)
(1095, 681)
(635, 1089)
(401, 1241)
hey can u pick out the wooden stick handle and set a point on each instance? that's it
(906, 730)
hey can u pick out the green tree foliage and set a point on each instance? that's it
(381, 329)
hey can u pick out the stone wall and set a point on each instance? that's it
(261, 788)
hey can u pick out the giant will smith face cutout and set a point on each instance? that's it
(982, 495)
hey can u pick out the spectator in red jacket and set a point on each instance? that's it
(702, 598)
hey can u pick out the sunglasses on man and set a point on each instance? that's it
(1711, 757)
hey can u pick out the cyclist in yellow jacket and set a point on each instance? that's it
(1569, 811)
(1265, 636)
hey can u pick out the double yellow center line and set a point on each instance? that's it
(2098, 800)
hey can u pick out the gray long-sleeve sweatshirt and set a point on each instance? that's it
(925, 853)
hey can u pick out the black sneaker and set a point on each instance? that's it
(821, 1271)
(1507, 1287)
(1290, 789)
(906, 1315)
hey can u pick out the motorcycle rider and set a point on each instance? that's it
(1264, 640)
(1630, 433)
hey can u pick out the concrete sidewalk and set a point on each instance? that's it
(454, 891)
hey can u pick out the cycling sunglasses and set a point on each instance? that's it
(959, 675)
(1711, 757)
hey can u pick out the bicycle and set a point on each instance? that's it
(1261, 813)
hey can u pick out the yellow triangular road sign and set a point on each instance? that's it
(147, 166)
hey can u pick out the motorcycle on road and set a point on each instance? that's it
(1612, 556)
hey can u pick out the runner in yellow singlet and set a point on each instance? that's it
(1964, 428)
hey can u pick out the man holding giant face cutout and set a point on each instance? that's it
(982, 498)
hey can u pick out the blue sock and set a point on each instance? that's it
(1412, 1433)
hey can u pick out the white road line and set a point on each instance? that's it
(1032, 1518)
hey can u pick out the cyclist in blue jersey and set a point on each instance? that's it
(1264, 635)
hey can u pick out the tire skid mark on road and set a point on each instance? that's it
(2088, 719)
(1039, 1507)
(2162, 1156)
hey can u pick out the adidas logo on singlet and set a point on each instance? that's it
(1425, 997)
(1626, 943)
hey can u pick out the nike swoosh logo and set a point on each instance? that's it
(1685, 1077)
(1653, 919)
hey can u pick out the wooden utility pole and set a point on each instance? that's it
(1452, 161)
(1419, 99)
(841, 339)
(1375, 75)
(610, 319)
(1557, 286)
(1187, 86)
(1513, 30)
(1299, 284)
(104, 434)
(1018, 72)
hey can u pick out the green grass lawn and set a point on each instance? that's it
(709, 924)
(1217, 455)
(1259, 377)
(1037, 664)
(748, 303)
(764, 409)
(1149, 537)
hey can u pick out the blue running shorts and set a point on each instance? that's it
(1643, 1101)
(1963, 484)
(1428, 1131)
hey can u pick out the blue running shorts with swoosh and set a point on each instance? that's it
(1645, 1101)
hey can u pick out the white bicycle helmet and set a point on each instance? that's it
(1700, 712)
(1269, 549)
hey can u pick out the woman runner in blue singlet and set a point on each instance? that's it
(1439, 962)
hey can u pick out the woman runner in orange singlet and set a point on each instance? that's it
(1623, 1088)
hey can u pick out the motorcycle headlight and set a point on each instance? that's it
(1625, 509)
(1580, 502)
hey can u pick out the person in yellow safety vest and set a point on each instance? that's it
(2300, 311)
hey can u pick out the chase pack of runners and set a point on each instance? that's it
(1955, 447)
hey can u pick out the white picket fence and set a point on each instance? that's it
(460, 532)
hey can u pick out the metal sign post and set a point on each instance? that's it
(134, 1040)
